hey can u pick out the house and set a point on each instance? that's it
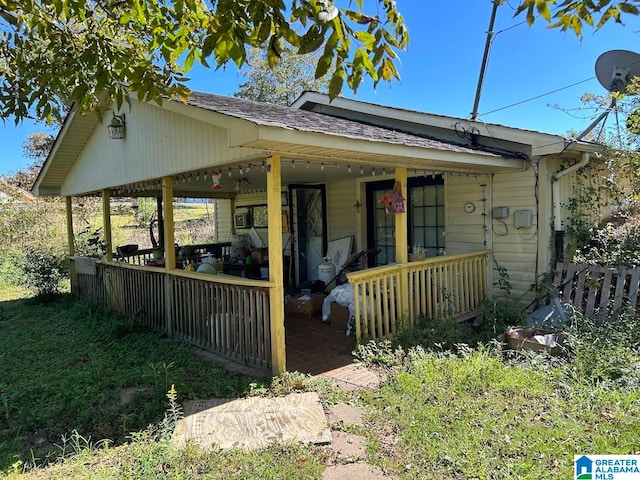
(11, 193)
(479, 201)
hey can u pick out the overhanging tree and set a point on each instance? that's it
(53, 52)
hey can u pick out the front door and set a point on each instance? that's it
(308, 227)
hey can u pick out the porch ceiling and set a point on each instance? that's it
(301, 169)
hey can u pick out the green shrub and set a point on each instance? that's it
(43, 271)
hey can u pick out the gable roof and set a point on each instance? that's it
(290, 132)
(307, 121)
(496, 137)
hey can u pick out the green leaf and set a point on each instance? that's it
(627, 7)
(323, 65)
(366, 38)
(312, 40)
(543, 9)
(335, 85)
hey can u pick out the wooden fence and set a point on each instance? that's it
(226, 315)
(451, 286)
(598, 291)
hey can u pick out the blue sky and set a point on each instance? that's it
(440, 70)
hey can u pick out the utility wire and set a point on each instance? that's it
(537, 96)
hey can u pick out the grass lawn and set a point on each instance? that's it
(460, 414)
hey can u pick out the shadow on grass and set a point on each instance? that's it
(66, 365)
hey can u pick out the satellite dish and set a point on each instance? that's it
(616, 68)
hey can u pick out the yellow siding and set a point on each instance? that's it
(515, 249)
(342, 216)
(223, 220)
(150, 150)
(465, 232)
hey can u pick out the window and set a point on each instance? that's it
(425, 209)
(252, 216)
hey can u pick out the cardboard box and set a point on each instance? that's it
(416, 257)
(339, 316)
(526, 338)
(305, 306)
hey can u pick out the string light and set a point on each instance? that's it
(229, 172)
(240, 169)
(322, 167)
(293, 164)
(264, 165)
(349, 168)
(248, 168)
(308, 163)
(361, 170)
(384, 172)
(373, 172)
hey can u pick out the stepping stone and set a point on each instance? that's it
(353, 377)
(348, 447)
(347, 414)
(354, 471)
(253, 422)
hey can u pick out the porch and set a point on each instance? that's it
(233, 317)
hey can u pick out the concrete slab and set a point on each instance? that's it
(353, 471)
(348, 447)
(353, 377)
(253, 422)
(347, 414)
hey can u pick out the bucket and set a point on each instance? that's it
(326, 271)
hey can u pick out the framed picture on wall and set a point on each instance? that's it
(240, 220)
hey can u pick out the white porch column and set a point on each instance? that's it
(106, 223)
(169, 251)
(276, 268)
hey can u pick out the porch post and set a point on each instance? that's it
(169, 251)
(70, 236)
(106, 222)
(276, 269)
(402, 241)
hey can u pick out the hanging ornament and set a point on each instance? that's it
(134, 202)
(215, 180)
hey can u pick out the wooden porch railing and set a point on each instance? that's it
(140, 256)
(451, 286)
(226, 315)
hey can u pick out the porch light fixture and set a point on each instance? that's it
(357, 206)
(117, 127)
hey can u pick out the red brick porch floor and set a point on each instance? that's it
(314, 347)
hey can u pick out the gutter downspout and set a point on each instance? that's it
(555, 185)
